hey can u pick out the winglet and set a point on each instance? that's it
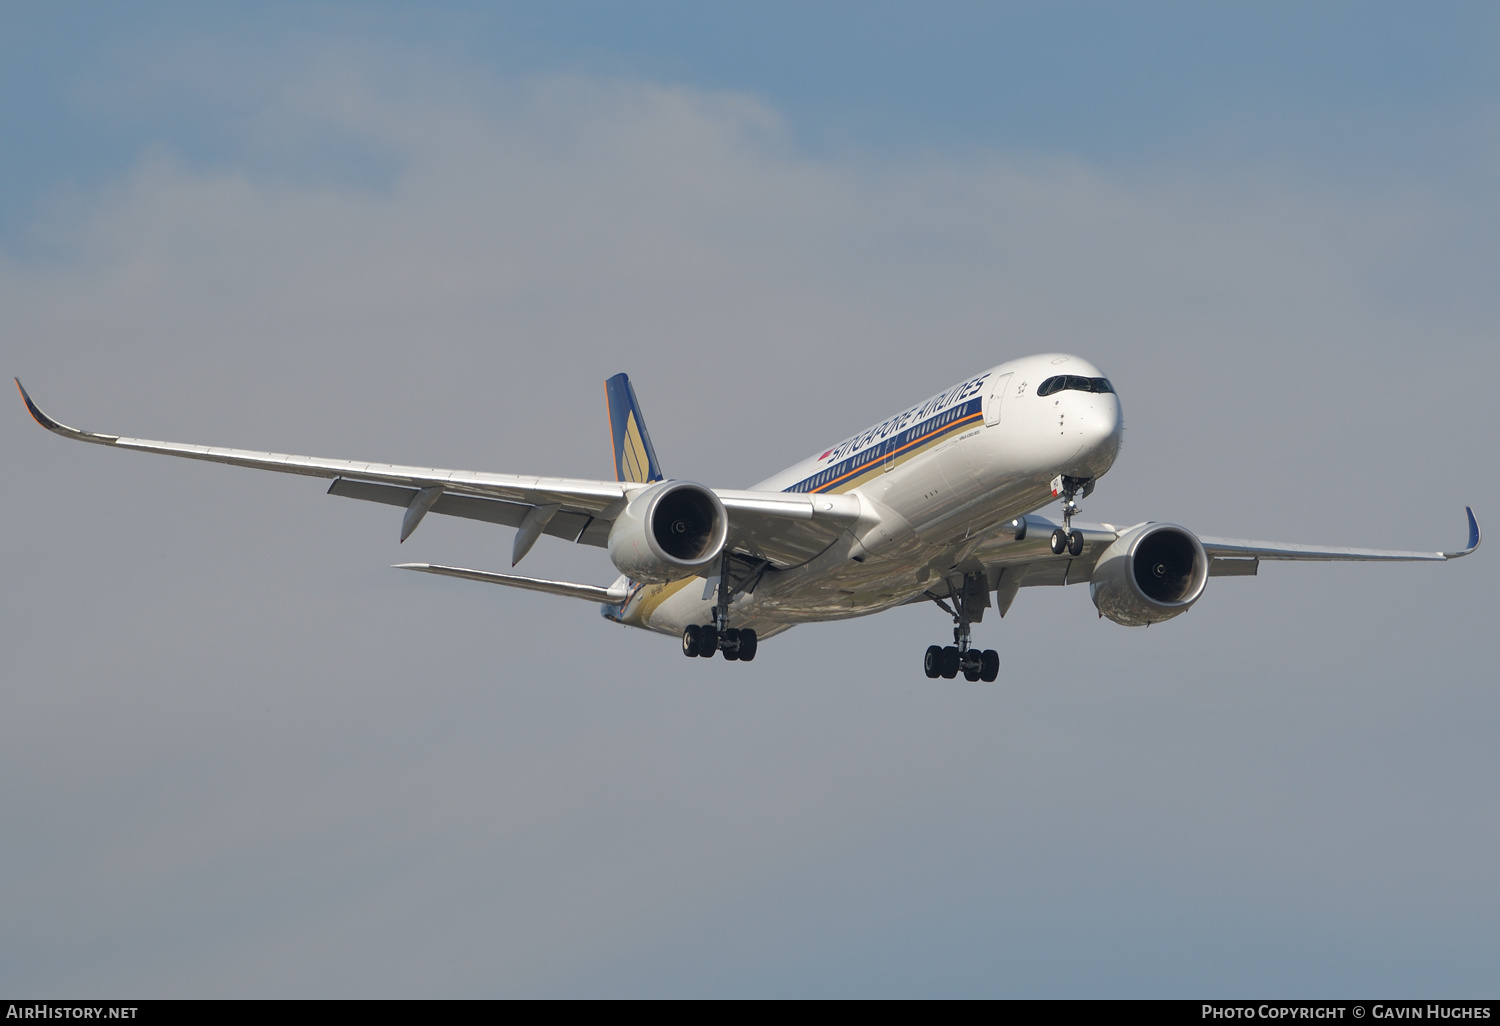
(62, 429)
(635, 457)
(1473, 537)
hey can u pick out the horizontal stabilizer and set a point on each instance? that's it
(587, 592)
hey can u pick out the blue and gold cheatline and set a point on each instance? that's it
(847, 473)
(635, 458)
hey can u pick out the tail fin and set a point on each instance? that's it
(635, 459)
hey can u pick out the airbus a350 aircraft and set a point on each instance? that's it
(935, 504)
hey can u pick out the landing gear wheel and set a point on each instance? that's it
(1059, 541)
(950, 662)
(932, 662)
(989, 666)
(731, 645)
(1075, 543)
(748, 644)
(969, 596)
(690, 641)
(708, 640)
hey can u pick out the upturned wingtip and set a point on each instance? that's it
(36, 411)
(57, 426)
(1474, 536)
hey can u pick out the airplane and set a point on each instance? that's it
(937, 503)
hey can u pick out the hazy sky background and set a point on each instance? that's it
(244, 757)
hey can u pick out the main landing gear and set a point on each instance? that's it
(948, 661)
(969, 601)
(737, 643)
(1065, 539)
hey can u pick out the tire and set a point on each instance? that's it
(748, 644)
(1059, 542)
(708, 640)
(950, 662)
(1075, 543)
(989, 666)
(932, 662)
(972, 661)
(690, 641)
(731, 645)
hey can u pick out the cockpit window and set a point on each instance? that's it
(1076, 382)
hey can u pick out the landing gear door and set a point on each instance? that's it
(994, 398)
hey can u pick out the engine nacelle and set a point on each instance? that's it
(1151, 573)
(672, 530)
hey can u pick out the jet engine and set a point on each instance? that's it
(672, 530)
(1151, 573)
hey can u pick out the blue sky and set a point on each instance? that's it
(246, 758)
(1351, 89)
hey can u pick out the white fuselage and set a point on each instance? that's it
(934, 482)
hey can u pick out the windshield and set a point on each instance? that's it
(1078, 383)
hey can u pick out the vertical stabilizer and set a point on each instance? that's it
(635, 459)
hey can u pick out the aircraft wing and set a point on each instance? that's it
(1242, 549)
(1011, 564)
(783, 528)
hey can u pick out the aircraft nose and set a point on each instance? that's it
(1102, 429)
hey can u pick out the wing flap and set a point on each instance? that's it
(786, 528)
(567, 525)
(843, 509)
(1233, 566)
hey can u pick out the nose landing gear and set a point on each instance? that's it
(1070, 542)
(949, 661)
(1065, 539)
